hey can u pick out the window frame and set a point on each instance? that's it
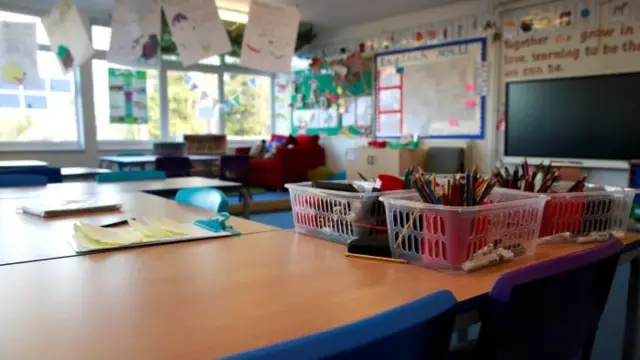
(166, 65)
(78, 144)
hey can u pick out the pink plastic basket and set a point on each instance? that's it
(447, 236)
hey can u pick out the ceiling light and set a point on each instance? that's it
(233, 16)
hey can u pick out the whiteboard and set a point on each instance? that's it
(434, 91)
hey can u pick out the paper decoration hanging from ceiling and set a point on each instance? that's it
(69, 37)
(18, 54)
(135, 34)
(197, 29)
(270, 37)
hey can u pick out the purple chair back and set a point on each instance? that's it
(234, 168)
(174, 166)
(549, 310)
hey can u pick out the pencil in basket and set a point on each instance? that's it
(541, 180)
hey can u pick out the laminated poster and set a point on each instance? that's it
(197, 29)
(18, 54)
(270, 37)
(69, 38)
(135, 34)
(127, 96)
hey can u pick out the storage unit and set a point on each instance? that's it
(373, 161)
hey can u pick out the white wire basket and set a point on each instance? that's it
(336, 215)
(591, 215)
(448, 236)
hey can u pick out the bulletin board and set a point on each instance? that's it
(436, 91)
(323, 104)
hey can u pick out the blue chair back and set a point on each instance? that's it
(174, 166)
(140, 175)
(14, 180)
(205, 198)
(549, 310)
(53, 174)
(418, 330)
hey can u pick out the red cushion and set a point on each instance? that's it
(265, 165)
(308, 140)
(279, 138)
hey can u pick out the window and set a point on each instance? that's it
(193, 103)
(107, 131)
(101, 37)
(43, 113)
(247, 104)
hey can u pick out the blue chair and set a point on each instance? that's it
(140, 175)
(53, 174)
(418, 330)
(548, 310)
(15, 180)
(205, 198)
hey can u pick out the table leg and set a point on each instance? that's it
(246, 199)
(630, 347)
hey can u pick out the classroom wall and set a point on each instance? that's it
(479, 152)
(485, 152)
(600, 32)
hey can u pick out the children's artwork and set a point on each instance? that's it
(197, 29)
(270, 37)
(437, 92)
(135, 34)
(70, 40)
(18, 54)
(127, 96)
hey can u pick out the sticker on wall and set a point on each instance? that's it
(565, 18)
(619, 10)
(460, 29)
(18, 49)
(473, 26)
(526, 24)
(510, 28)
(585, 14)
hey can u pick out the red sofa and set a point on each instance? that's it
(289, 165)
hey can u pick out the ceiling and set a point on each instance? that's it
(321, 13)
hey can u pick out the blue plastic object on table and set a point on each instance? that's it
(205, 198)
(216, 224)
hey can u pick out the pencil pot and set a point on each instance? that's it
(440, 236)
(586, 216)
(336, 215)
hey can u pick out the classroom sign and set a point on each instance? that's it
(127, 97)
(606, 49)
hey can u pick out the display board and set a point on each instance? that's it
(127, 97)
(322, 100)
(433, 91)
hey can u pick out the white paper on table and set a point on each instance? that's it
(197, 29)
(389, 124)
(18, 54)
(270, 37)
(389, 99)
(349, 117)
(70, 40)
(135, 33)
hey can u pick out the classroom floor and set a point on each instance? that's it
(281, 219)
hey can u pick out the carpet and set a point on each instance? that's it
(281, 219)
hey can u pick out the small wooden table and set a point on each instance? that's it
(81, 173)
(26, 237)
(19, 164)
(206, 299)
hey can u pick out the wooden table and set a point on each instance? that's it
(17, 164)
(64, 190)
(29, 238)
(81, 173)
(201, 300)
